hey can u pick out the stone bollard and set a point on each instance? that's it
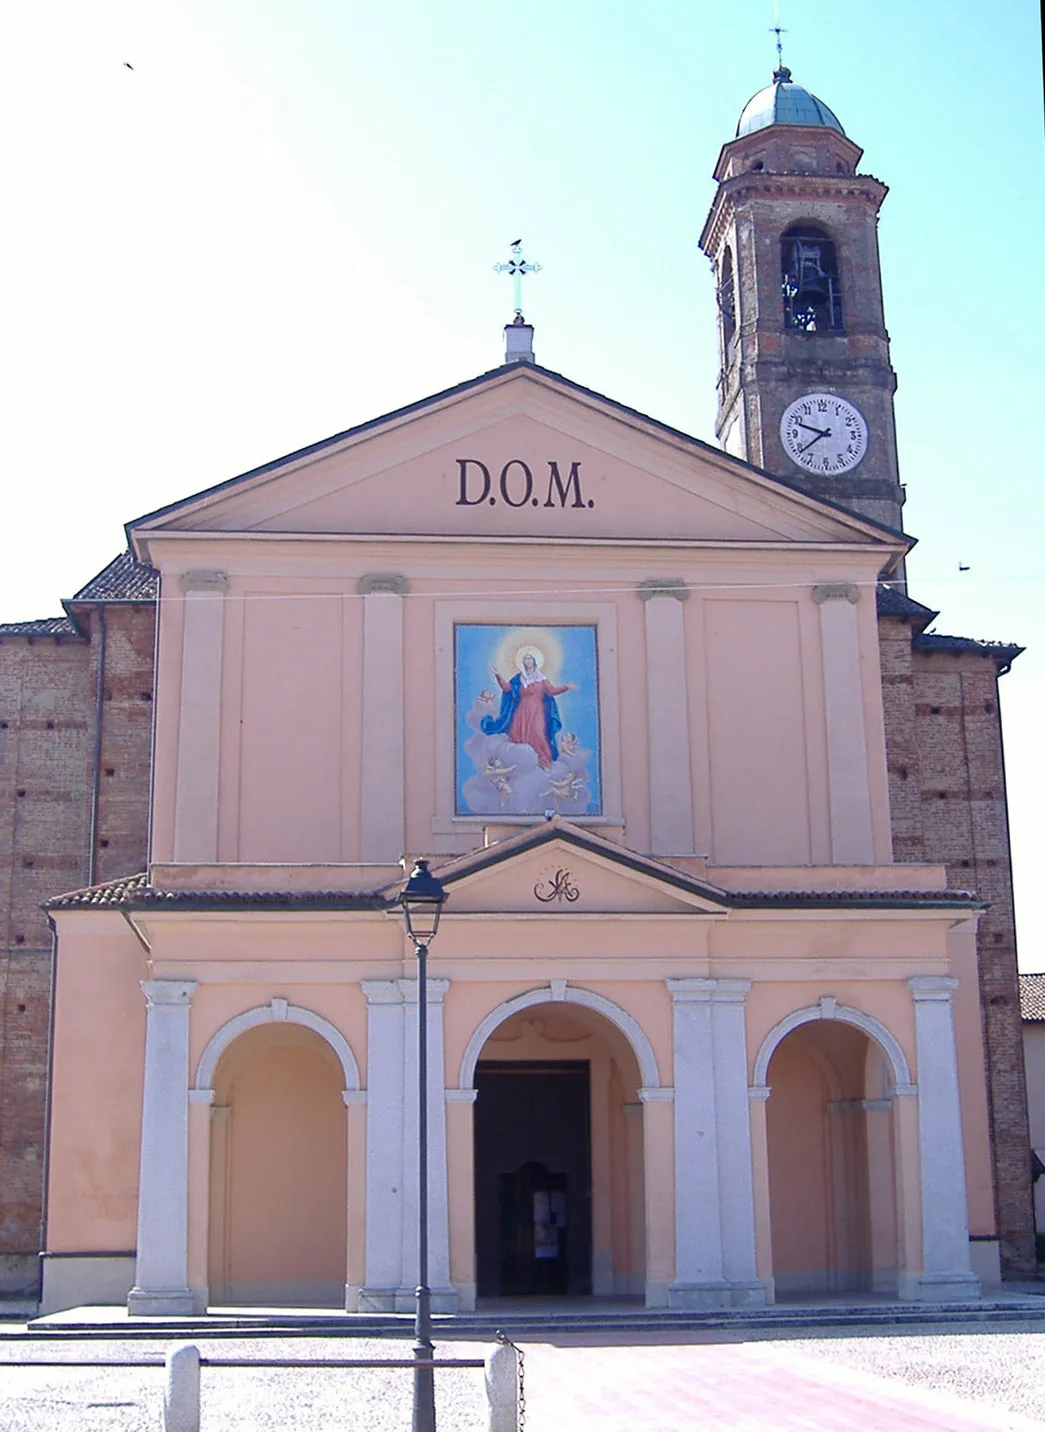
(502, 1388)
(181, 1394)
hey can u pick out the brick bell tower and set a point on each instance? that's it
(805, 386)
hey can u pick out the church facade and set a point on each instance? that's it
(712, 1013)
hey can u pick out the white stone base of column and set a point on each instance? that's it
(717, 1295)
(466, 1294)
(657, 1293)
(938, 1288)
(162, 1302)
(444, 1300)
(353, 1293)
(375, 1300)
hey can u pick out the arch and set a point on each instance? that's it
(277, 1011)
(828, 1009)
(570, 994)
(810, 280)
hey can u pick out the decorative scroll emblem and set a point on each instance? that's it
(559, 887)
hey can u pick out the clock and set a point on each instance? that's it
(823, 433)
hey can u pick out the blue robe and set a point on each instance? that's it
(500, 724)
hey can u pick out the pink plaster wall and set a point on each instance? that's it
(285, 1181)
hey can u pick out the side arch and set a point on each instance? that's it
(828, 1009)
(568, 994)
(277, 1011)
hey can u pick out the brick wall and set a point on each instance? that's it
(965, 825)
(47, 694)
(947, 794)
(44, 750)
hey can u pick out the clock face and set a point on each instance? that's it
(823, 433)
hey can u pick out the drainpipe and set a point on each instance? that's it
(96, 766)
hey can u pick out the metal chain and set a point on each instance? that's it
(502, 1337)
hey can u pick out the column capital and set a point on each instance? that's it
(697, 990)
(836, 592)
(461, 1096)
(662, 1095)
(662, 587)
(384, 583)
(168, 992)
(203, 581)
(201, 1096)
(934, 988)
(435, 989)
(381, 991)
(353, 1096)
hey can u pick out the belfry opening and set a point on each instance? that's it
(559, 1186)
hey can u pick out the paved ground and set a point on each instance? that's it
(908, 1382)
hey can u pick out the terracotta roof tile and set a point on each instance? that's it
(134, 892)
(1032, 997)
(1002, 652)
(124, 580)
(43, 626)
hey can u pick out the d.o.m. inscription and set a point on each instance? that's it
(517, 486)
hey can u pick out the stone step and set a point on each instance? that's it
(520, 1323)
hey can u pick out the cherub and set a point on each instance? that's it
(564, 788)
(568, 743)
(497, 773)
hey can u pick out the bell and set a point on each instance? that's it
(812, 292)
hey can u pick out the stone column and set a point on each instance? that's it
(199, 718)
(849, 792)
(444, 1299)
(161, 1271)
(946, 1268)
(699, 1278)
(714, 1197)
(384, 1146)
(733, 1129)
(383, 797)
(671, 789)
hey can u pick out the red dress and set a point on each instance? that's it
(528, 726)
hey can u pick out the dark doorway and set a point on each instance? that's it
(532, 1178)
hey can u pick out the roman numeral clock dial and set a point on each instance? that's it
(823, 433)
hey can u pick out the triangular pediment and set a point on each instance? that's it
(518, 453)
(559, 869)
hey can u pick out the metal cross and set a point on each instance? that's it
(517, 266)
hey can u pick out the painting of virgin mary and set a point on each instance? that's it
(528, 741)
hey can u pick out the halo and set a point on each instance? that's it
(515, 642)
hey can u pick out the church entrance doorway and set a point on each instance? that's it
(558, 1158)
(533, 1178)
(832, 1169)
(278, 1171)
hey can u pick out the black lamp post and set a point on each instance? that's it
(422, 901)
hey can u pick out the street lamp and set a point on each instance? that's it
(422, 900)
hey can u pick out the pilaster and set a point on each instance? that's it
(715, 1264)
(199, 717)
(849, 793)
(161, 1268)
(384, 1146)
(671, 789)
(946, 1267)
(383, 808)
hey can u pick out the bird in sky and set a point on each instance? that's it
(127, 65)
(515, 243)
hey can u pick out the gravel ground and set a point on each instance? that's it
(996, 1378)
(233, 1399)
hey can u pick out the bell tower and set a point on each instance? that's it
(805, 386)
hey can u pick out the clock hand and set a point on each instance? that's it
(821, 432)
(825, 434)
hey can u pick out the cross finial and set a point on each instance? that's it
(517, 266)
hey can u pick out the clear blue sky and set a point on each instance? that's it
(283, 221)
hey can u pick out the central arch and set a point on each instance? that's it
(559, 1075)
(553, 993)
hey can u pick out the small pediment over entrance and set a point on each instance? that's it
(558, 869)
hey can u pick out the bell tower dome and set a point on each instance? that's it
(805, 385)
